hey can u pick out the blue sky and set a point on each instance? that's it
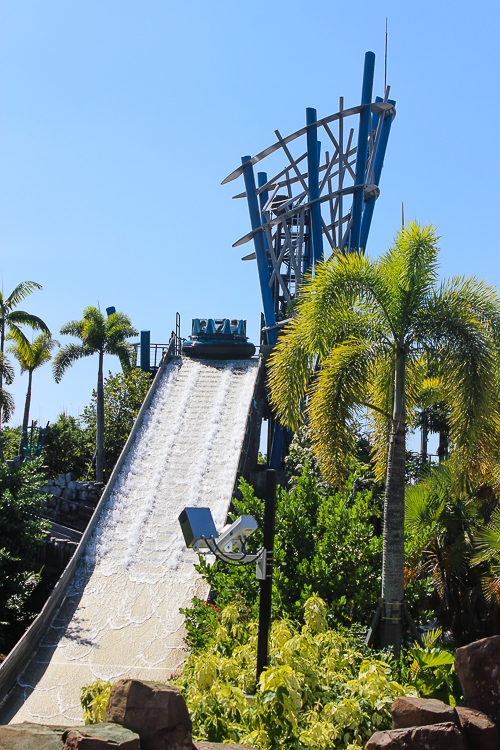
(120, 119)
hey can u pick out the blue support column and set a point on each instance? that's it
(362, 151)
(377, 171)
(145, 348)
(260, 247)
(313, 184)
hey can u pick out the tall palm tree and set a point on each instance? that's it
(30, 358)
(373, 326)
(100, 336)
(11, 319)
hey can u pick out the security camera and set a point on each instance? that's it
(199, 532)
(233, 537)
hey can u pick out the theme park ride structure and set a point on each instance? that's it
(315, 202)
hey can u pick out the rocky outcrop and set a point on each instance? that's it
(436, 736)
(100, 737)
(416, 721)
(95, 737)
(418, 712)
(479, 731)
(478, 669)
(31, 737)
(157, 712)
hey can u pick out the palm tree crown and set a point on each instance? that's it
(362, 341)
(98, 335)
(30, 359)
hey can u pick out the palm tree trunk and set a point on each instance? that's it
(100, 422)
(26, 417)
(394, 515)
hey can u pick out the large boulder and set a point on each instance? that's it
(100, 737)
(28, 736)
(479, 731)
(478, 669)
(436, 736)
(157, 712)
(418, 712)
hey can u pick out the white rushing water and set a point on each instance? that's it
(121, 614)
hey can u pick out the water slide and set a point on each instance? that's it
(115, 611)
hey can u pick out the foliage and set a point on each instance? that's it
(441, 524)
(67, 448)
(98, 335)
(123, 397)
(318, 691)
(363, 340)
(325, 544)
(21, 531)
(94, 699)
(10, 321)
(430, 669)
(10, 438)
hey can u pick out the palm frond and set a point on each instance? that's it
(6, 369)
(22, 290)
(337, 399)
(73, 328)
(7, 405)
(19, 317)
(66, 356)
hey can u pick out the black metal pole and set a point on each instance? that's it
(266, 586)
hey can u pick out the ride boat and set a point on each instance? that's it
(218, 338)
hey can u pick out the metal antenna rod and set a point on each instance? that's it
(385, 58)
(402, 215)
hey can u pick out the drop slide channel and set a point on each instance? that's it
(115, 610)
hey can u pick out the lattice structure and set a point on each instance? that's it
(321, 199)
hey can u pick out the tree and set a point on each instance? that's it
(361, 342)
(68, 447)
(100, 336)
(30, 358)
(123, 397)
(21, 531)
(11, 320)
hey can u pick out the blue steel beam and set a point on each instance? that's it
(377, 171)
(362, 151)
(313, 184)
(260, 247)
(145, 349)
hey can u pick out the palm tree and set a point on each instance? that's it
(361, 343)
(11, 319)
(101, 336)
(30, 359)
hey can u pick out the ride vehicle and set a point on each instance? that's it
(218, 338)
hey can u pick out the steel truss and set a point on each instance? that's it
(315, 198)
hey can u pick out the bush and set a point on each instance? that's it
(21, 531)
(67, 448)
(325, 544)
(10, 438)
(319, 691)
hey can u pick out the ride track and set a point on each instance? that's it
(115, 611)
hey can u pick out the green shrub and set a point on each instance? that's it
(318, 692)
(94, 699)
(325, 544)
(21, 531)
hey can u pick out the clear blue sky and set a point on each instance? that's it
(120, 119)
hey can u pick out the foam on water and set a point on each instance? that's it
(121, 613)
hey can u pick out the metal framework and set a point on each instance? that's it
(316, 200)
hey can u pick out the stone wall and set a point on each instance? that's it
(69, 502)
